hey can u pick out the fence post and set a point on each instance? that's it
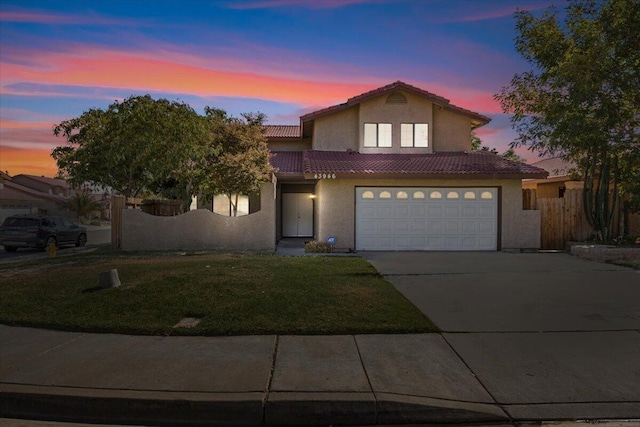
(117, 205)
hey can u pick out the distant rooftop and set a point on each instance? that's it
(48, 181)
(283, 131)
(555, 166)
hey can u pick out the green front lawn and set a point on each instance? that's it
(231, 294)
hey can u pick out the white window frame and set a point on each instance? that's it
(378, 135)
(414, 135)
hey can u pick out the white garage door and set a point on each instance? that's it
(426, 218)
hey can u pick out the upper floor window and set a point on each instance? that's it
(377, 134)
(414, 135)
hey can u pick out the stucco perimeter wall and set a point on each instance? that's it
(451, 131)
(335, 208)
(202, 229)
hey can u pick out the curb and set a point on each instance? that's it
(234, 409)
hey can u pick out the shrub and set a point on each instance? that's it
(315, 246)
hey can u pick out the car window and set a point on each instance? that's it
(20, 222)
(66, 223)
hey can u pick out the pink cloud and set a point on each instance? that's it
(501, 12)
(67, 19)
(128, 70)
(485, 132)
(479, 101)
(30, 136)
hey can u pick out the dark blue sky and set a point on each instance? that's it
(280, 57)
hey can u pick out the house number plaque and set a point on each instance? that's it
(324, 176)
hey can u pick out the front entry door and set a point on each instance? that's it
(297, 215)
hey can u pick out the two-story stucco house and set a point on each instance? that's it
(391, 169)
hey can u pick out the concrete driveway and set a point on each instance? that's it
(549, 336)
(506, 292)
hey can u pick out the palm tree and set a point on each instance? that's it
(82, 204)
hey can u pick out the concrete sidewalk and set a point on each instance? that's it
(240, 381)
(293, 380)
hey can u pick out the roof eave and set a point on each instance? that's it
(429, 175)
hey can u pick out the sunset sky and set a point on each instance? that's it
(283, 58)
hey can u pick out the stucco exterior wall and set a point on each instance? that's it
(549, 190)
(448, 130)
(336, 132)
(416, 110)
(298, 145)
(335, 207)
(202, 229)
(451, 131)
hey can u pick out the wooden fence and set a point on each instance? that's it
(563, 219)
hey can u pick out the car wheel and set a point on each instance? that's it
(82, 240)
(10, 248)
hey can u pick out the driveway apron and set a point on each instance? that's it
(504, 292)
(549, 336)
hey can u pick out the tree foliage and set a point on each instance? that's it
(510, 154)
(580, 99)
(133, 145)
(147, 146)
(238, 156)
(82, 204)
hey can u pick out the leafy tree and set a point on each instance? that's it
(237, 161)
(580, 99)
(82, 204)
(510, 154)
(476, 142)
(132, 145)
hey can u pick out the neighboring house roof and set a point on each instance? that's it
(49, 181)
(477, 119)
(440, 165)
(555, 166)
(27, 193)
(9, 193)
(282, 131)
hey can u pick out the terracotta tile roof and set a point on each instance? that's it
(482, 120)
(437, 165)
(555, 166)
(287, 162)
(282, 131)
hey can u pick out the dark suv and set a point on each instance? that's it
(40, 231)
